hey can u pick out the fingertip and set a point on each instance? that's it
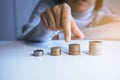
(82, 36)
(67, 38)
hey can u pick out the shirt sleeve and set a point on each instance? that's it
(34, 30)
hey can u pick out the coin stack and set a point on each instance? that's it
(95, 48)
(74, 49)
(55, 51)
(38, 52)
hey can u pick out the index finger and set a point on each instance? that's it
(65, 21)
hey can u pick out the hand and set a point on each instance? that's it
(59, 18)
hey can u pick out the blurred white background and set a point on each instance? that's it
(15, 13)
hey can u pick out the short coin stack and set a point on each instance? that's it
(55, 51)
(95, 48)
(38, 53)
(74, 49)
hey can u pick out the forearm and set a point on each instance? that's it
(109, 31)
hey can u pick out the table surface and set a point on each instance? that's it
(16, 62)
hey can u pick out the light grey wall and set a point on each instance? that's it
(23, 11)
(7, 28)
(15, 13)
(114, 5)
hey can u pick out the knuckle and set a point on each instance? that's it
(54, 10)
(55, 7)
(65, 5)
(48, 10)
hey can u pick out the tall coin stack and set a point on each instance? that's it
(95, 48)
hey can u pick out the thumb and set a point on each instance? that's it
(75, 30)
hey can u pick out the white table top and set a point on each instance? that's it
(16, 62)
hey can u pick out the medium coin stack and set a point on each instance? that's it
(74, 49)
(95, 48)
(55, 51)
(38, 52)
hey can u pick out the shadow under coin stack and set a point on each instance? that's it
(74, 49)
